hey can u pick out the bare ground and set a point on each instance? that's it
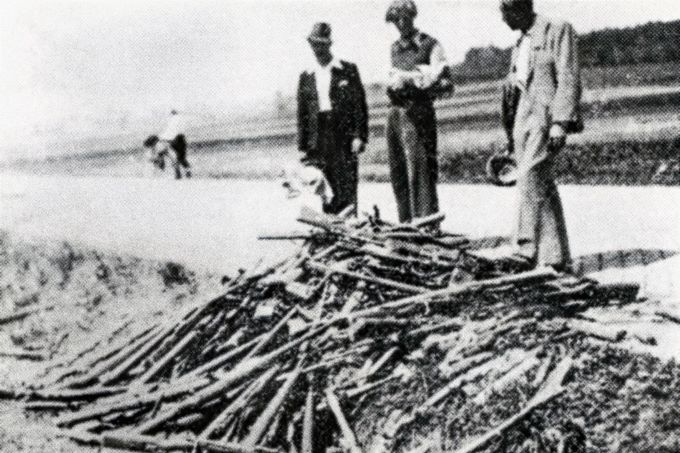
(78, 295)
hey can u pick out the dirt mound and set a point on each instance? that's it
(72, 294)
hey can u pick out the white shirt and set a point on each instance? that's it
(522, 62)
(424, 76)
(429, 74)
(322, 76)
(173, 128)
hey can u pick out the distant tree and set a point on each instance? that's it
(655, 42)
(483, 63)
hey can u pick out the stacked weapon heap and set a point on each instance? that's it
(348, 345)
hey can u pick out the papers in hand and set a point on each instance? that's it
(423, 77)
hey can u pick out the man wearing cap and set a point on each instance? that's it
(332, 119)
(541, 105)
(418, 76)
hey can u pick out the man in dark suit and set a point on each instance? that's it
(332, 119)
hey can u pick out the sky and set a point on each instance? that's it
(99, 67)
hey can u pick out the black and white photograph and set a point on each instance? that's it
(340, 226)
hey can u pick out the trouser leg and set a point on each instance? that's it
(541, 232)
(553, 245)
(344, 185)
(187, 167)
(399, 174)
(541, 228)
(325, 148)
(420, 143)
(179, 146)
(175, 165)
(341, 171)
(339, 166)
(528, 209)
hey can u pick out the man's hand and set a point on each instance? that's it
(307, 160)
(399, 79)
(558, 137)
(358, 146)
(510, 150)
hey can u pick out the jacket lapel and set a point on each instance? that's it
(513, 64)
(336, 76)
(538, 38)
(314, 95)
(312, 109)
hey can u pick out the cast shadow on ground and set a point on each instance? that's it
(619, 259)
(596, 262)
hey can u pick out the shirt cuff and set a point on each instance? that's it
(429, 74)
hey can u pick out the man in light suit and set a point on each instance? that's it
(332, 119)
(541, 105)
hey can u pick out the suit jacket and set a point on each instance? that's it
(554, 79)
(348, 103)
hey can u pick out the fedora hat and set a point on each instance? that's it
(321, 33)
(501, 170)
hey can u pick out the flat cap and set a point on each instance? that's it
(401, 8)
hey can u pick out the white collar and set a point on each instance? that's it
(537, 27)
(335, 63)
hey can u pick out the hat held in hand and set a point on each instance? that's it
(321, 33)
(501, 170)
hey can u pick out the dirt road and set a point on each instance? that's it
(213, 224)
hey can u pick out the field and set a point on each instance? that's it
(627, 149)
(633, 75)
(631, 137)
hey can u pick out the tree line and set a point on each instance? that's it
(654, 42)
